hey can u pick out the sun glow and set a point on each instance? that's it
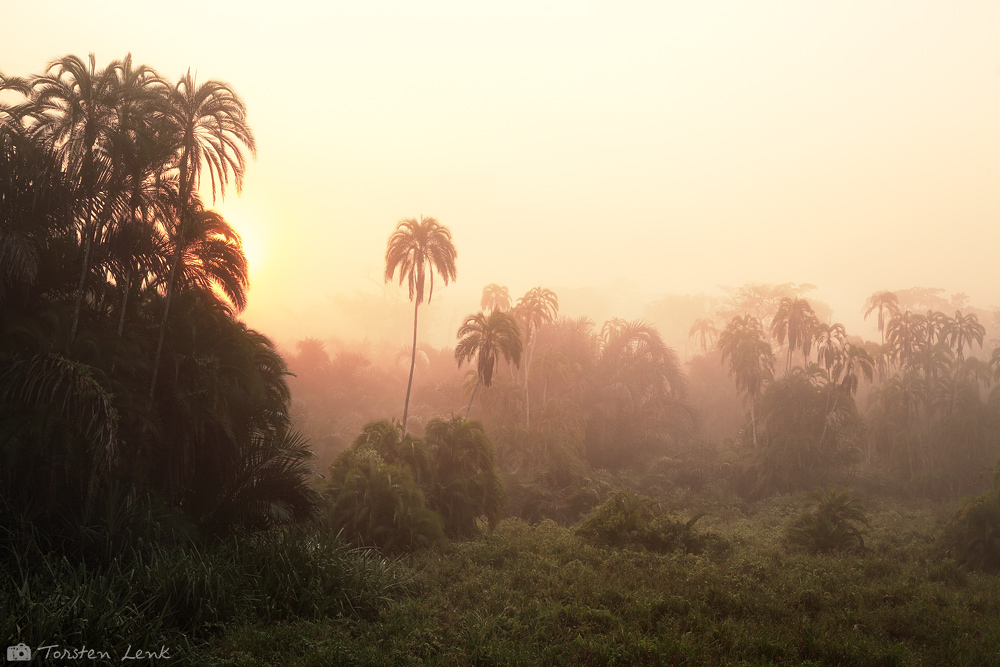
(251, 233)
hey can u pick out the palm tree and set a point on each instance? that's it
(487, 338)
(882, 302)
(212, 258)
(418, 249)
(905, 337)
(495, 297)
(141, 150)
(751, 361)
(962, 331)
(538, 306)
(640, 395)
(830, 342)
(209, 129)
(935, 322)
(852, 363)
(704, 330)
(73, 108)
(849, 363)
(796, 321)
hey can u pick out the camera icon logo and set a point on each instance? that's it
(19, 653)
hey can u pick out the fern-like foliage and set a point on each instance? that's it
(832, 521)
(626, 518)
(374, 503)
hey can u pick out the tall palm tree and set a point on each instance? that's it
(849, 363)
(935, 322)
(705, 331)
(538, 306)
(487, 338)
(419, 248)
(751, 360)
(640, 395)
(830, 342)
(72, 107)
(882, 302)
(905, 337)
(962, 331)
(495, 297)
(141, 154)
(208, 125)
(796, 322)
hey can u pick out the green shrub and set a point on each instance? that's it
(465, 482)
(974, 534)
(831, 521)
(373, 503)
(630, 519)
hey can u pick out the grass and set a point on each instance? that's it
(183, 597)
(543, 595)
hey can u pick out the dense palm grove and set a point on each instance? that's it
(141, 421)
(562, 399)
(124, 368)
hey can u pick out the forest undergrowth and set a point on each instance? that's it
(543, 594)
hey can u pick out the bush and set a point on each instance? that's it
(373, 503)
(830, 522)
(974, 534)
(629, 519)
(465, 484)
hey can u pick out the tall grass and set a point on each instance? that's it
(543, 594)
(180, 596)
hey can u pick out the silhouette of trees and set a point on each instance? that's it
(100, 225)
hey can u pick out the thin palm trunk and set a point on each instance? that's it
(127, 288)
(83, 279)
(184, 203)
(87, 242)
(527, 369)
(473, 397)
(128, 274)
(413, 363)
(829, 411)
(166, 313)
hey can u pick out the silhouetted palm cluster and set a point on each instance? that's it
(930, 413)
(608, 399)
(120, 355)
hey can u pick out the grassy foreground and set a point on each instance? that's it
(541, 595)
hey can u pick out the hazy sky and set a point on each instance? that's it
(672, 147)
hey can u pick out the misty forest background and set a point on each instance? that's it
(168, 474)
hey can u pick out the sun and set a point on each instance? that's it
(251, 234)
(253, 249)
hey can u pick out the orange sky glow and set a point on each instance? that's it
(616, 151)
